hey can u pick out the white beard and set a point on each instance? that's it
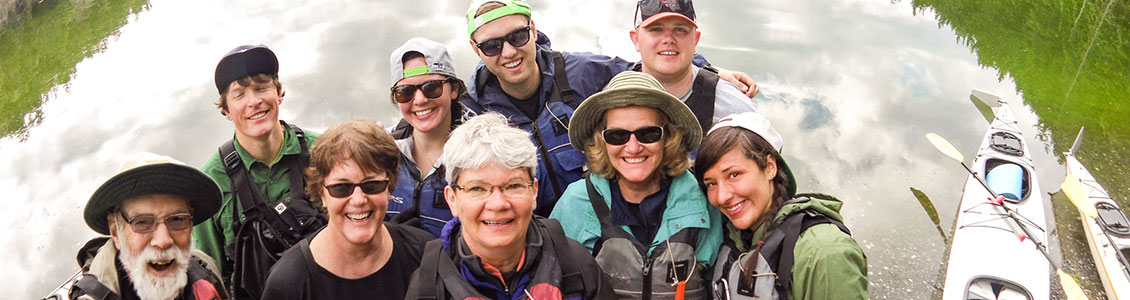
(148, 285)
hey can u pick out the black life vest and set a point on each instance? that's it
(773, 271)
(557, 274)
(703, 93)
(265, 231)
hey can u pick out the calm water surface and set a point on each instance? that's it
(852, 86)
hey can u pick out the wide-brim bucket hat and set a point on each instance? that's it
(149, 174)
(627, 89)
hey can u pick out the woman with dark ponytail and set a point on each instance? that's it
(778, 245)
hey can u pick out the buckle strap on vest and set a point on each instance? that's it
(562, 91)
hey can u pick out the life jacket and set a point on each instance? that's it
(265, 231)
(637, 275)
(557, 274)
(418, 200)
(703, 92)
(772, 277)
(202, 283)
(558, 162)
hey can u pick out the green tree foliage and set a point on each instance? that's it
(41, 49)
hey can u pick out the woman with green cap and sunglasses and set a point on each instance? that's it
(427, 92)
(779, 245)
(640, 211)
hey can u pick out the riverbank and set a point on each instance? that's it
(43, 46)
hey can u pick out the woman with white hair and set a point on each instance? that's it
(495, 248)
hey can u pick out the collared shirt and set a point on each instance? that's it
(643, 218)
(272, 181)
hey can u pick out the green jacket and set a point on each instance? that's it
(687, 207)
(828, 263)
(274, 184)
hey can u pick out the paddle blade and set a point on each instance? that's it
(943, 145)
(1070, 287)
(989, 99)
(1074, 190)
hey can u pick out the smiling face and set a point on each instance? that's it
(157, 262)
(739, 188)
(495, 223)
(426, 114)
(356, 218)
(516, 67)
(666, 46)
(635, 162)
(253, 109)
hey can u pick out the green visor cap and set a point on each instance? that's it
(511, 7)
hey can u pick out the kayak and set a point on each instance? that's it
(990, 256)
(1107, 231)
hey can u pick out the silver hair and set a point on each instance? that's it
(486, 139)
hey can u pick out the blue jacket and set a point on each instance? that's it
(558, 162)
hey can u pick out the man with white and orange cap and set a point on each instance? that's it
(666, 37)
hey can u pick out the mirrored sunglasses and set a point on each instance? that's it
(432, 89)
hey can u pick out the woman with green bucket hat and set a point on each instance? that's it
(640, 211)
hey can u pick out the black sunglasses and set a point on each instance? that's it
(432, 89)
(371, 187)
(645, 135)
(648, 8)
(516, 38)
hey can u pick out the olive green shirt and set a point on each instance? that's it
(273, 181)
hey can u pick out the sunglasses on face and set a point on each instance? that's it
(148, 223)
(648, 8)
(516, 38)
(371, 187)
(645, 135)
(432, 89)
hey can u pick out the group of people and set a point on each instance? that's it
(614, 180)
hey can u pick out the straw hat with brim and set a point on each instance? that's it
(626, 89)
(150, 174)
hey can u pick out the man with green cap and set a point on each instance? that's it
(535, 87)
(148, 210)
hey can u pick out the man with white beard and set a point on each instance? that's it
(148, 209)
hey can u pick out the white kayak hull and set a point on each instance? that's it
(987, 259)
(1104, 243)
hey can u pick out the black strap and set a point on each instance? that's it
(89, 285)
(779, 246)
(701, 100)
(403, 129)
(248, 193)
(572, 279)
(608, 229)
(562, 91)
(429, 271)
